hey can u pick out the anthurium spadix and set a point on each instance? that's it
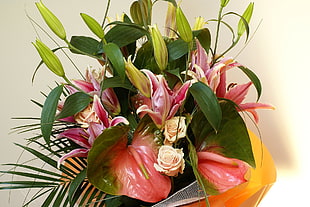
(120, 169)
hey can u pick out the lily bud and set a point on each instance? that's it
(49, 58)
(51, 20)
(171, 21)
(93, 25)
(199, 23)
(138, 79)
(160, 48)
(183, 26)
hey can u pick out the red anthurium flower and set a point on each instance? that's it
(121, 169)
(222, 172)
(164, 102)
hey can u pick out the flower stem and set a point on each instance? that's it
(219, 19)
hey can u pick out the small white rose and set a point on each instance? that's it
(170, 161)
(175, 129)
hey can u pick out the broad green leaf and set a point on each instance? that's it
(116, 58)
(93, 25)
(49, 111)
(231, 140)
(255, 80)
(74, 104)
(123, 34)
(76, 182)
(177, 49)
(117, 82)
(243, 24)
(99, 159)
(204, 38)
(85, 45)
(208, 103)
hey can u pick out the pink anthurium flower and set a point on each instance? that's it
(164, 102)
(120, 169)
(222, 172)
(85, 136)
(215, 77)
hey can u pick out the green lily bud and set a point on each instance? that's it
(183, 26)
(160, 48)
(224, 3)
(136, 13)
(51, 20)
(137, 78)
(171, 26)
(93, 25)
(49, 58)
(199, 23)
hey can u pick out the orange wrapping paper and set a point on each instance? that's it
(251, 193)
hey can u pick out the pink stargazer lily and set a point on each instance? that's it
(91, 85)
(215, 77)
(85, 137)
(222, 172)
(164, 102)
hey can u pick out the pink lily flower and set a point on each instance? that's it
(86, 137)
(91, 85)
(215, 78)
(222, 172)
(164, 102)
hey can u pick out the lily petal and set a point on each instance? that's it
(73, 153)
(77, 135)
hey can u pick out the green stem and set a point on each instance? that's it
(228, 49)
(106, 13)
(217, 30)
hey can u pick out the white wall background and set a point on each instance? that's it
(278, 53)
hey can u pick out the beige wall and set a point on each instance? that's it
(278, 53)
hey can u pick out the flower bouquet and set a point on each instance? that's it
(155, 123)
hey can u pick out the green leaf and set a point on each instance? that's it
(123, 34)
(116, 58)
(208, 103)
(255, 80)
(204, 38)
(74, 104)
(93, 25)
(177, 49)
(76, 182)
(243, 24)
(49, 111)
(232, 139)
(85, 45)
(117, 82)
(99, 158)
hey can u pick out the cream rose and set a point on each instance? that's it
(170, 161)
(87, 116)
(175, 128)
